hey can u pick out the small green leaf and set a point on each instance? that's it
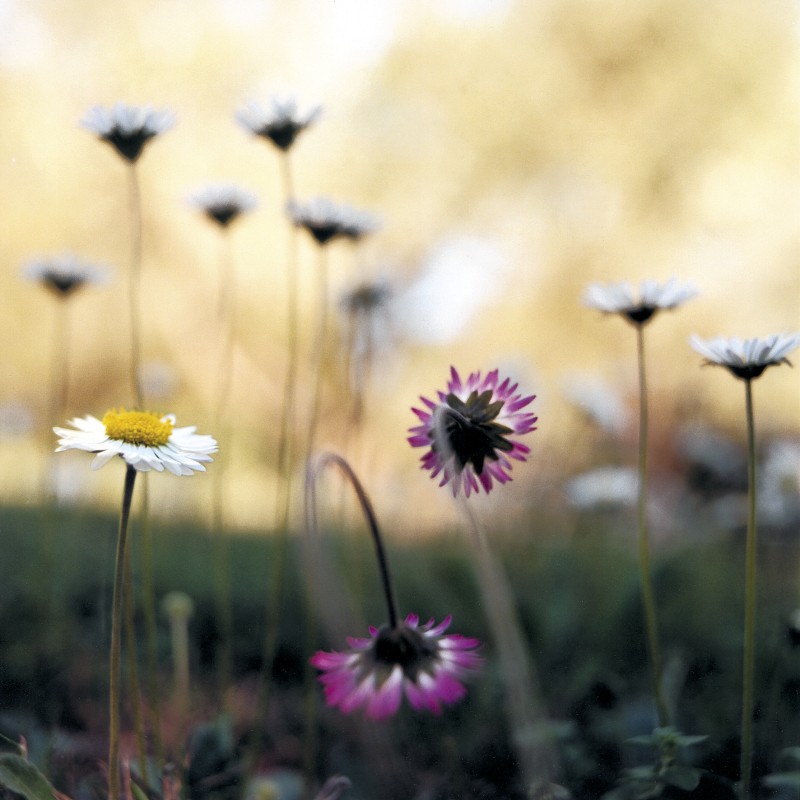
(791, 779)
(23, 778)
(138, 792)
(686, 778)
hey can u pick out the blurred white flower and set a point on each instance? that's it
(64, 274)
(779, 483)
(223, 203)
(747, 358)
(598, 401)
(280, 123)
(127, 128)
(620, 298)
(604, 487)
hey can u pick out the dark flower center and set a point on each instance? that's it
(63, 285)
(640, 314)
(282, 134)
(129, 144)
(223, 213)
(748, 371)
(470, 431)
(402, 646)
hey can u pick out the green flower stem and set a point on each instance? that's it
(648, 596)
(748, 667)
(285, 437)
(222, 582)
(116, 627)
(318, 356)
(325, 460)
(289, 387)
(537, 759)
(150, 624)
(134, 284)
(129, 605)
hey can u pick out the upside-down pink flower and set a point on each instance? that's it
(420, 662)
(467, 431)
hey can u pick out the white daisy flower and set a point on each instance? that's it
(144, 440)
(747, 358)
(64, 274)
(282, 123)
(603, 487)
(619, 298)
(127, 128)
(223, 203)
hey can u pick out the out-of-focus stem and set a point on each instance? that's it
(134, 285)
(748, 667)
(116, 627)
(536, 756)
(648, 596)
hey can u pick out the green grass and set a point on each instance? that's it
(580, 611)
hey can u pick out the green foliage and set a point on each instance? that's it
(650, 781)
(20, 776)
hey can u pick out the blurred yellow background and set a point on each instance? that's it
(515, 152)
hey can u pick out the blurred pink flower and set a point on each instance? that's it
(418, 661)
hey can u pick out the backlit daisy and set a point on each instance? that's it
(223, 203)
(127, 128)
(144, 440)
(63, 274)
(420, 662)
(747, 358)
(620, 298)
(467, 431)
(281, 123)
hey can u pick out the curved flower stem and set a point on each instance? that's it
(116, 627)
(324, 460)
(748, 669)
(134, 283)
(537, 760)
(648, 596)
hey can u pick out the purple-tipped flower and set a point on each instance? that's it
(281, 124)
(467, 431)
(127, 128)
(419, 662)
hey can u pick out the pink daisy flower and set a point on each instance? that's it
(467, 431)
(419, 662)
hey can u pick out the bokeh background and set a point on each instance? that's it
(514, 151)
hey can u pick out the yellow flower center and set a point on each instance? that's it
(137, 427)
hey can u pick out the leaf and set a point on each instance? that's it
(783, 779)
(686, 778)
(23, 778)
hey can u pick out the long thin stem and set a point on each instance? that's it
(285, 436)
(537, 760)
(134, 284)
(318, 356)
(748, 667)
(325, 460)
(116, 627)
(283, 505)
(648, 596)
(222, 582)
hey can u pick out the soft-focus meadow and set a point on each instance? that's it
(512, 153)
